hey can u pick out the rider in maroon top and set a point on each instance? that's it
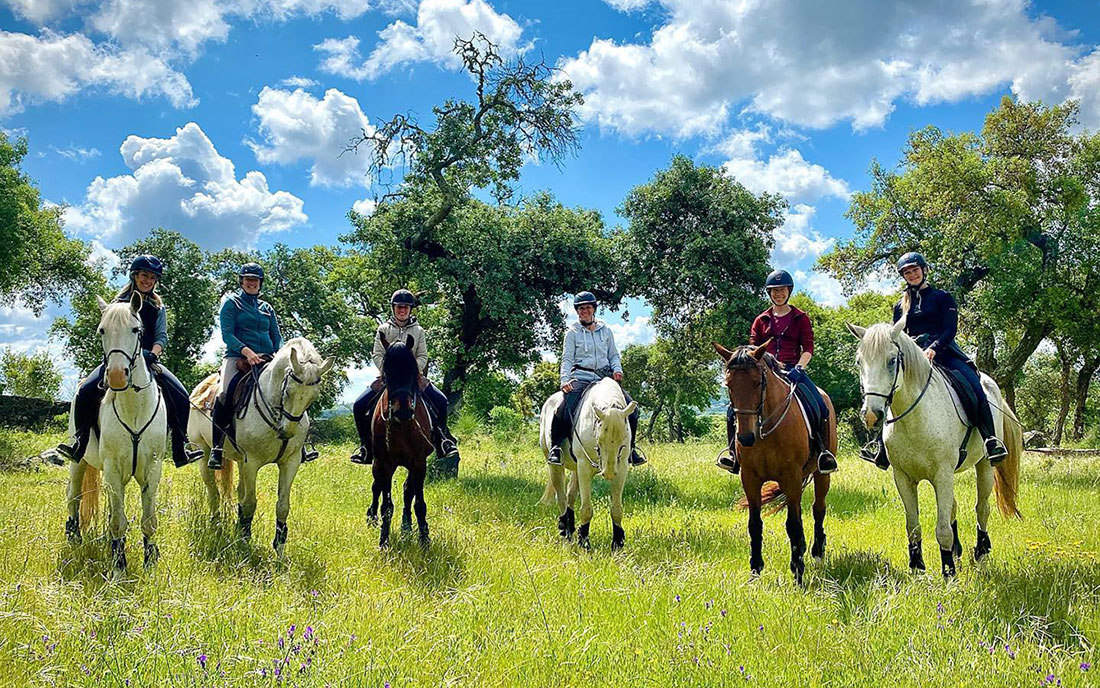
(790, 337)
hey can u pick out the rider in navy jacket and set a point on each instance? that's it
(932, 320)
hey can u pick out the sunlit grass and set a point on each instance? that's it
(497, 599)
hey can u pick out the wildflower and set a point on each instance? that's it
(290, 631)
(308, 635)
(723, 612)
(282, 643)
(677, 598)
(1085, 666)
(760, 627)
(202, 660)
(1010, 652)
(939, 608)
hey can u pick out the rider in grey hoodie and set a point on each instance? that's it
(588, 355)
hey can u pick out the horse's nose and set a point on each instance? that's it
(870, 418)
(116, 378)
(747, 439)
(403, 413)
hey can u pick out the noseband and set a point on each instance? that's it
(894, 387)
(131, 362)
(761, 420)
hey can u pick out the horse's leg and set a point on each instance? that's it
(406, 512)
(907, 489)
(149, 510)
(287, 470)
(751, 485)
(584, 514)
(117, 517)
(384, 482)
(375, 489)
(944, 485)
(246, 497)
(565, 509)
(209, 479)
(821, 488)
(985, 487)
(618, 535)
(416, 477)
(74, 493)
(792, 488)
(956, 544)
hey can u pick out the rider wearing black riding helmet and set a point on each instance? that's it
(789, 334)
(145, 273)
(588, 355)
(401, 325)
(932, 319)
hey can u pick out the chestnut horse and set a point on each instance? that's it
(773, 443)
(401, 431)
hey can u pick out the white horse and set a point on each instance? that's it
(601, 443)
(133, 426)
(273, 430)
(923, 435)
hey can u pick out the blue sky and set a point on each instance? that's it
(224, 119)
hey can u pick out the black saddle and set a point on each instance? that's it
(241, 389)
(967, 395)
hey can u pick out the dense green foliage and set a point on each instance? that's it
(29, 375)
(498, 600)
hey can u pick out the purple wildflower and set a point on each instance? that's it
(760, 627)
(282, 643)
(290, 631)
(939, 607)
(677, 598)
(386, 685)
(1085, 666)
(723, 612)
(1010, 652)
(308, 635)
(202, 660)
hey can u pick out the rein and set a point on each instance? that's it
(268, 412)
(761, 419)
(894, 388)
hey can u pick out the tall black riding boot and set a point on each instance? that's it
(994, 448)
(88, 397)
(826, 461)
(637, 458)
(559, 432)
(221, 416)
(727, 458)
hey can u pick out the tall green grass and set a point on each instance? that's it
(498, 599)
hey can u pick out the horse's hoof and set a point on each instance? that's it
(584, 544)
(406, 526)
(818, 559)
(152, 554)
(424, 540)
(72, 531)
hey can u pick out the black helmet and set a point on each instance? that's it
(910, 259)
(148, 263)
(403, 297)
(779, 278)
(584, 297)
(251, 270)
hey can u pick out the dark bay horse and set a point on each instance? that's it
(401, 431)
(773, 443)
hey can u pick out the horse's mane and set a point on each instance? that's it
(878, 340)
(116, 314)
(306, 354)
(742, 358)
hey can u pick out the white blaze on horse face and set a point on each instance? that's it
(120, 332)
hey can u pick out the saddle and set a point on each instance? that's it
(964, 397)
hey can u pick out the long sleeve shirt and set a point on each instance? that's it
(399, 333)
(589, 355)
(791, 335)
(933, 320)
(246, 320)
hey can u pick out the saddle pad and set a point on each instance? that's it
(956, 387)
(207, 391)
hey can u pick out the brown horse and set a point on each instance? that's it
(401, 431)
(773, 444)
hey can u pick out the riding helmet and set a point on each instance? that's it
(403, 297)
(584, 297)
(779, 278)
(910, 259)
(148, 263)
(251, 270)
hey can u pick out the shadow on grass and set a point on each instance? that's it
(1043, 599)
(438, 568)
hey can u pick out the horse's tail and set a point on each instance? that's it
(225, 479)
(1006, 476)
(89, 496)
(550, 494)
(771, 494)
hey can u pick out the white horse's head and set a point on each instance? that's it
(612, 431)
(298, 369)
(881, 361)
(120, 330)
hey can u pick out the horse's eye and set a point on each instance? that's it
(101, 331)
(136, 329)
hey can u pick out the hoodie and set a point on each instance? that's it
(586, 354)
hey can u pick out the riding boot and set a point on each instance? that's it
(875, 452)
(446, 445)
(88, 397)
(362, 412)
(183, 452)
(309, 454)
(727, 458)
(221, 417)
(994, 448)
(637, 458)
(826, 461)
(178, 408)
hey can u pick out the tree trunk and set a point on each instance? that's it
(987, 347)
(1063, 396)
(679, 421)
(1084, 382)
(1009, 366)
(653, 420)
(454, 381)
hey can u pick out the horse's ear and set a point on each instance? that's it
(102, 304)
(385, 342)
(135, 301)
(294, 363)
(630, 408)
(410, 342)
(758, 352)
(725, 353)
(899, 326)
(856, 330)
(600, 413)
(327, 365)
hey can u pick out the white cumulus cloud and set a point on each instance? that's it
(785, 172)
(183, 183)
(296, 125)
(814, 63)
(51, 67)
(438, 24)
(796, 239)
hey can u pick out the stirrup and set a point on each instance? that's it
(826, 463)
(68, 451)
(637, 458)
(448, 448)
(875, 452)
(214, 463)
(554, 457)
(998, 453)
(360, 457)
(727, 461)
(192, 452)
(309, 455)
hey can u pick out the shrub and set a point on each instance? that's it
(505, 423)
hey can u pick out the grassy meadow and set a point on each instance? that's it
(499, 600)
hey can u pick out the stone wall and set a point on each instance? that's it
(29, 414)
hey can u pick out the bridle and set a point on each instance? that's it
(900, 365)
(277, 412)
(761, 419)
(131, 362)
